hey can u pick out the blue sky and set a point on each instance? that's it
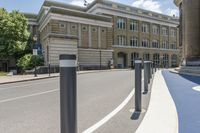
(33, 6)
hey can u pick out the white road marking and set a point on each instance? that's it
(110, 115)
(26, 85)
(26, 96)
(196, 88)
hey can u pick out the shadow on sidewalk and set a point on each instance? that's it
(135, 115)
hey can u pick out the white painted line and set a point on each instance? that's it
(26, 96)
(196, 88)
(110, 115)
(26, 85)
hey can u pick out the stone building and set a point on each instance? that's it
(189, 31)
(106, 30)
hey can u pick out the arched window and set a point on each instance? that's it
(156, 59)
(145, 28)
(155, 30)
(145, 43)
(165, 45)
(134, 25)
(121, 23)
(155, 44)
(134, 41)
(174, 60)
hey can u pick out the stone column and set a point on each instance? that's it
(191, 19)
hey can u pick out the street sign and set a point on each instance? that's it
(35, 52)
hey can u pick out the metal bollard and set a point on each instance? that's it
(155, 67)
(150, 69)
(146, 77)
(68, 93)
(138, 90)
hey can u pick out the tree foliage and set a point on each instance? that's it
(28, 61)
(13, 34)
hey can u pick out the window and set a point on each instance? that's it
(155, 30)
(155, 44)
(164, 31)
(121, 40)
(121, 23)
(134, 25)
(173, 33)
(173, 46)
(134, 56)
(62, 25)
(145, 28)
(84, 28)
(165, 60)
(156, 59)
(174, 60)
(146, 56)
(145, 43)
(134, 42)
(74, 26)
(94, 29)
(165, 45)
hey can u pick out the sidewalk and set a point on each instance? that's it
(22, 78)
(161, 116)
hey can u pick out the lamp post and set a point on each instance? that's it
(35, 53)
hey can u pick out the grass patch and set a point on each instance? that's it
(3, 73)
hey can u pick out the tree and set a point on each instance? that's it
(13, 34)
(28, 62)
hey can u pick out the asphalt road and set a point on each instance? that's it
(33, 106)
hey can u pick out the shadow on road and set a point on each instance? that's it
(194, 79)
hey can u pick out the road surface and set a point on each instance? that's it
(33, 106)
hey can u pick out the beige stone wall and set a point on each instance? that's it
(94, 57)
(59, 46)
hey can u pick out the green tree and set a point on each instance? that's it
(28, 62)
(13, 34)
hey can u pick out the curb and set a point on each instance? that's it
(33, 79)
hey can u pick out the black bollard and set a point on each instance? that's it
(138, 90)
(68, 93)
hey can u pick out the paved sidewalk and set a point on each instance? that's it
(161, 116)
(22, 78)
(186, 99)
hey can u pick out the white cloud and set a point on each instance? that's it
(172, 12)
(79, 2)
(151, 5)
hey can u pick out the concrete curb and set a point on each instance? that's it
(161, 115)
(47, 77)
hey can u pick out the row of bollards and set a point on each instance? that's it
(68, 87)
(148, 74)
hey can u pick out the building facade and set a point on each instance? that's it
(106, 30)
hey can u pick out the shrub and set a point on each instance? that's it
(28, 62)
